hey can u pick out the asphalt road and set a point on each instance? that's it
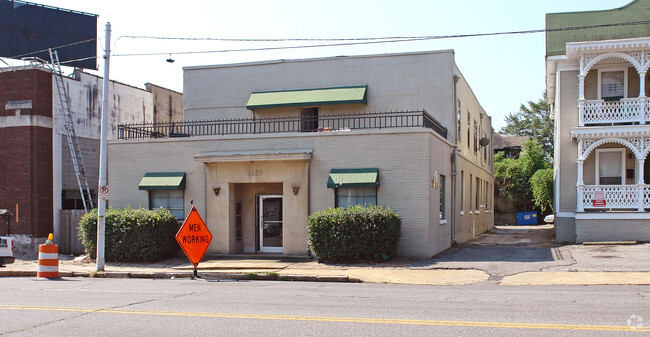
(137, 307)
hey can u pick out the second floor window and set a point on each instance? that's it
(612, 85)
(475, 136)
(458, 113)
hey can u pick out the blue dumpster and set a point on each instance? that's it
(526, 218)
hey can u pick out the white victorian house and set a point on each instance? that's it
(598, 89)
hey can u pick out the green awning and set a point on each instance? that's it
(360, 177)
(303, 97)
(163, 181)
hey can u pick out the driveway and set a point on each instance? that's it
(509, 250)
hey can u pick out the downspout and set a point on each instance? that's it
(454, 160)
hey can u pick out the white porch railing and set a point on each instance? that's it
(614, 197)
(626, 110)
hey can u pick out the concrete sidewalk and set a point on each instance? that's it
(506, 255)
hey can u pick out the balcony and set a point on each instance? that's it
(623, 111)
(323, 123)
(613, 197)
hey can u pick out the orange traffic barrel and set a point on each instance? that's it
(48, 261)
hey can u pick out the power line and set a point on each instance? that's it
(423, 37)
(355, 41)
(352, 41)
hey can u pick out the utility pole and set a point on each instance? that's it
(101, 209)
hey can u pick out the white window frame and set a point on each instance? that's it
(608, 69)
(599, 151)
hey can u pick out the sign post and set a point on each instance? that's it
(194, 238)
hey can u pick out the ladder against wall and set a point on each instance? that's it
(71, 136)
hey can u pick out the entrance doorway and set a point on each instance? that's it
(270, 223)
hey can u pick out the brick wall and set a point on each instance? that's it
(26, 153)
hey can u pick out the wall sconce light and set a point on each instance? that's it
(216, 190)
(295, 189)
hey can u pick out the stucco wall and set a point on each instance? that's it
(612, 229)
(565, 229)
(127, 105)
(472, 218)
(167, 104)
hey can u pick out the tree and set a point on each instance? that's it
(534, 121)
(512, 177)
(542, 184)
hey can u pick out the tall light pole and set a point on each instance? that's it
(101, 208)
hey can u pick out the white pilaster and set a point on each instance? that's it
(580, 185)
(640, 164)
(642, 98)
(580, 172)
(640, 183)
(581, 86)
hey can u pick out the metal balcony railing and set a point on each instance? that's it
(324, 123)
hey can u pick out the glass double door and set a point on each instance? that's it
(270, 223)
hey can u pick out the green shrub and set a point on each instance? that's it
(132, 234)
(366, 233)
(542, 185)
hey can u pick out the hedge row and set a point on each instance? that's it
(132, 234)
(366, 233)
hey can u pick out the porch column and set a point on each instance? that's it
(581, 99)
(640, 183)
(642, 84)
(642, 101)
(581, 186)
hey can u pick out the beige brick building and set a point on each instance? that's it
(265, 144)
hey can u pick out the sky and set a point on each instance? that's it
(503, 71)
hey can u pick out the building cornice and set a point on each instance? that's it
(574, 49)
(610, 131)
(239, 156)
(26, 120)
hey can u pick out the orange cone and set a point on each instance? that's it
(48, 261)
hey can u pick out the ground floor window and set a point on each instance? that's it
(442, 198)
(71, 199)
(610, 164)
(170, 199)
(352, 196)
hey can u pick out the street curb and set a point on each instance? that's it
(204, 275)
(609, 243)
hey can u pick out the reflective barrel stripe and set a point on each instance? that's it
(53, 256)
(48, 261)
(48, 269)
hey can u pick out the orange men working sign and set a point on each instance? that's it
(194, 237)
